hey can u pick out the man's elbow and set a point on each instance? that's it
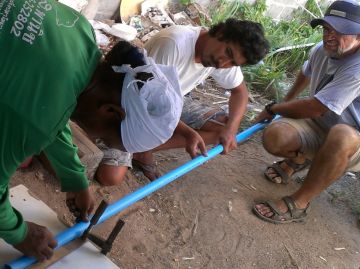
(240, 92)
(318, 109)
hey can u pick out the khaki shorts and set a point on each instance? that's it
(312, 137)
(114, 157)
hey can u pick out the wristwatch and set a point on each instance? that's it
(268, 108)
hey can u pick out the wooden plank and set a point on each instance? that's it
(90, 155)
(59, 254)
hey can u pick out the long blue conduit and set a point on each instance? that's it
(76, 231)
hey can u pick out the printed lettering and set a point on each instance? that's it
(28, 38)
(40, 14)
(19, 25)
(15, 31)
(5, 13)
(22, 18)
(24, 12)
(33, 27)
(35, 20)
(29, 20)
(28, 6)
(45, 5)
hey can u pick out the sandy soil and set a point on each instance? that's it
(204, 219)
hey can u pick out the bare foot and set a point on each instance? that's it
(145, 163)
(266, 211)
(144, 157)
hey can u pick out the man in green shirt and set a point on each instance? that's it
(50, 66)
(48, 56)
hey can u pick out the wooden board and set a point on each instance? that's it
(90, 155)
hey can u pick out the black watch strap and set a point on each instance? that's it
(268, 108)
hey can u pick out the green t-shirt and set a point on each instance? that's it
(48, 55)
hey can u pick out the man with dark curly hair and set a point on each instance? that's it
(198, 53)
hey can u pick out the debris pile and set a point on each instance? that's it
(140, 28)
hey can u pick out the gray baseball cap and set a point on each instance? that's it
(343, 16)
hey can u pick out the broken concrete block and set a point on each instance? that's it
(156, 13)
(196, 13)
(181, 18)
(149, 35)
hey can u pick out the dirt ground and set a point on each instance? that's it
(204, 219)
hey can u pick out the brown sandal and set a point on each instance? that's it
(294, 214)
(281, 173)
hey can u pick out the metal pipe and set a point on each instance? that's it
(76, 231)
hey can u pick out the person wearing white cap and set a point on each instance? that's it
(321, 131)
(151, 104)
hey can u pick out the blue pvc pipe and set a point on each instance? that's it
(76, 231)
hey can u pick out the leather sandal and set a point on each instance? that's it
(281, 173)
(294, 214)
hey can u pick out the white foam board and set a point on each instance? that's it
(34, 210)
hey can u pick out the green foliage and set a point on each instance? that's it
(276, 73)
(186, 2)
(336, 196)
(224, 10)
(357, 210)
(315, 7)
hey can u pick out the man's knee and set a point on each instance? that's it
(280, 138)
(108, 175)
(221, 118)
(343, 138)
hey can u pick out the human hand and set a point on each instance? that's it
(80, 203)
(264, 116)
(38, 243)
(194, 144)
(228, 140)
